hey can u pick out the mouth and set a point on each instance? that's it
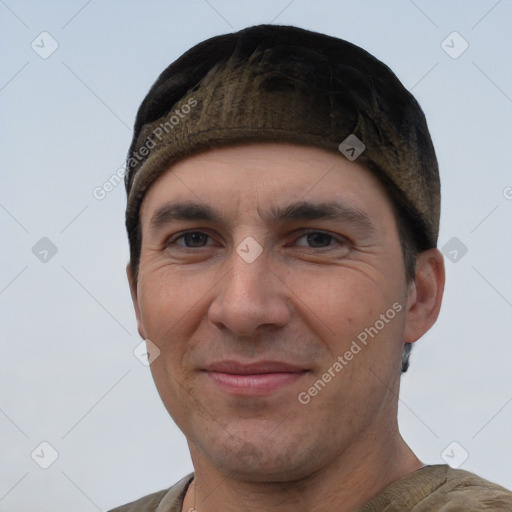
(254, 379)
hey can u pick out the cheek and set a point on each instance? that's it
(166, 298)
(172, 308)
(351, 313)
(168, 305)
(340, 298)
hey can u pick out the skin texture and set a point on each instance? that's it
(303, 301)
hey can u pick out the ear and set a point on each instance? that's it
(135, 300)
(425, 294)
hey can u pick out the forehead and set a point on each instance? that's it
(263, 175)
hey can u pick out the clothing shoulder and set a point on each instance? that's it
(440, 488)
(168, 500)
(146, 504)
(465, 491)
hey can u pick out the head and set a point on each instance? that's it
(254, 239)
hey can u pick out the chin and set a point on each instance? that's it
(261, 460)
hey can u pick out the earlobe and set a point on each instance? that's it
(135, 300)
(426, 294)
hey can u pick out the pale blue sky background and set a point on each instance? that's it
(68, 375)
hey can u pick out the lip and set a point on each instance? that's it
(259, 367)
(253, 379)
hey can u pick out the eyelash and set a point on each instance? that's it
(173, 239)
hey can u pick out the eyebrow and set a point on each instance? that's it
(293, 212)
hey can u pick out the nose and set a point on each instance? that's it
(250, 298)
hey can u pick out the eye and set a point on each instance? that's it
(191, 239)
(318, 239)
(310, 239)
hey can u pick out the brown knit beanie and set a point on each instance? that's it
(286, 84)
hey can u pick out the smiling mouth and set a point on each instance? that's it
(253, 379)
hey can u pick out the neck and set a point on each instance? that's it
(354, 478)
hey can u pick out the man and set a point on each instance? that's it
(283, 214)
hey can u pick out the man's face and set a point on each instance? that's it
(243, 335)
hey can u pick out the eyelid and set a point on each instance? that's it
(335, 236)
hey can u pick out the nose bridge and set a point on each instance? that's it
(250, 295)
(249, 258)
(249, 264)
(248, 282)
